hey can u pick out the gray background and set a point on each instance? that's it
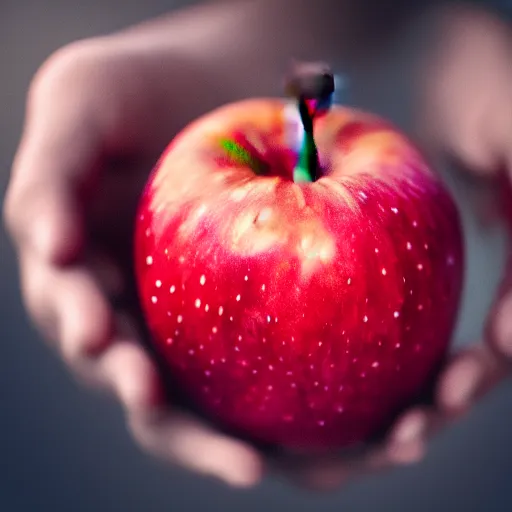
(63, 448)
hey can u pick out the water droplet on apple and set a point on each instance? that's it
(238, 297)
(202, 280)
(154, 299)
(172, 289)
(158, 283)
(198, 303)
(149, 260)
(180, 319)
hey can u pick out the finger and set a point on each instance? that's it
(500, 329)
(68, 305)
(406, 444)
(57, 156)
(190, 444)
(470, 375)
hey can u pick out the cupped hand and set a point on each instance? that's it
(464, 112)
(98, 115)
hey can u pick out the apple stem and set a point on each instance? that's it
(312, 84)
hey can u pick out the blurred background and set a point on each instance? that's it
(66, 449)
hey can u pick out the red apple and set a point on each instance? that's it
(299, 314)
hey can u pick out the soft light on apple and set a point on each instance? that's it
(302, 298)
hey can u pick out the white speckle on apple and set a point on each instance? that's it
(289, 373)
(254, 372)
(320, 343)
(158, 283)
(221, 310)
(349, 280)
(270, 367)
(398, 345)
(206, 307)
(384, 271)
(181, 259)
(339, 409)
(169, 313)
(420, 307)
(202, 280)
(363, 195)
(148, 232)
(293, 385)
(149, 260)
(409, 246)
(238, 297)
(191, 352)
(176, 332)
(396, 314)
(230, 318)
(394, 210)
(262, 287)
(426, 247)
(375, 364)
(214, 329)
(154, 300)
(420, 266)
(316, 384)
(198, 303)
(376, 250)
(237, 348)
(201, 347)
(239, 337)
(246, 278)
(268, 318)
(172, 289)
(321, 423)
(180, 319)
(365, 318)
(414, 224)
(207, 373)
(169, 341)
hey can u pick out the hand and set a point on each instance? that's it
(95, 127)
(464, 110)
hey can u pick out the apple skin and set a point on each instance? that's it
(304, 315)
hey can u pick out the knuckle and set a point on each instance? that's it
(68, 74)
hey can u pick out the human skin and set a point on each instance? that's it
(95, 126)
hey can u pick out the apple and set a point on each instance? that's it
(300, 301)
